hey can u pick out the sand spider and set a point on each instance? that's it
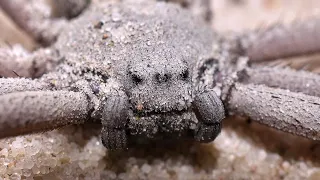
(152, 70)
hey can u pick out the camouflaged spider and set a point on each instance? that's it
(151, 70)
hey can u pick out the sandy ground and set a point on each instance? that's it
(244, 150)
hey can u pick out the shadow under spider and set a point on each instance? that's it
(200, 156)
(203, 157)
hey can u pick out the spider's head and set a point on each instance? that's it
(159, 87)
(163, 99)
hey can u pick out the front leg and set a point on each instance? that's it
(114, 119)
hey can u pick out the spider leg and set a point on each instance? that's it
(293, 80)
(36, 111)
(291, 112)
(16, 61)
(282, 41)
(10, 85)
(35, 17)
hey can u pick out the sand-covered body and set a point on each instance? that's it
(149, 52)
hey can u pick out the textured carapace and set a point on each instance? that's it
(147, 58)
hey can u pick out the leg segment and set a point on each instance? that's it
(35, 111)
(298, 38)
(114, 119)
(10, 85)
(287, 111)
(34, 17)
(295, 81)
(17, 61)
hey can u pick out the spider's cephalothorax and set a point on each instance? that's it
(152, 57)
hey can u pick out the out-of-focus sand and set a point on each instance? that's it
(10, 33)
(240, 15)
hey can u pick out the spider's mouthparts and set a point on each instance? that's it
(209, 111)
(142, 113)
(208, 107)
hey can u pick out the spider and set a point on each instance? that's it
(147, 70)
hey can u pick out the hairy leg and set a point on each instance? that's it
(36, 111)
(17, 62)
(284, 110)
(10, 85)
(35, 17)
(282, 41)
(285, 78)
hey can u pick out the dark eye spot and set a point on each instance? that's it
(136, 79)
(185, 74)
(162, 78)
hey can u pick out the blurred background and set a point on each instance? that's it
(229, 15)
(240, 15)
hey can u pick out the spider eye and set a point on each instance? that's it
(162, 78)
(185, 74)
(136, 78)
